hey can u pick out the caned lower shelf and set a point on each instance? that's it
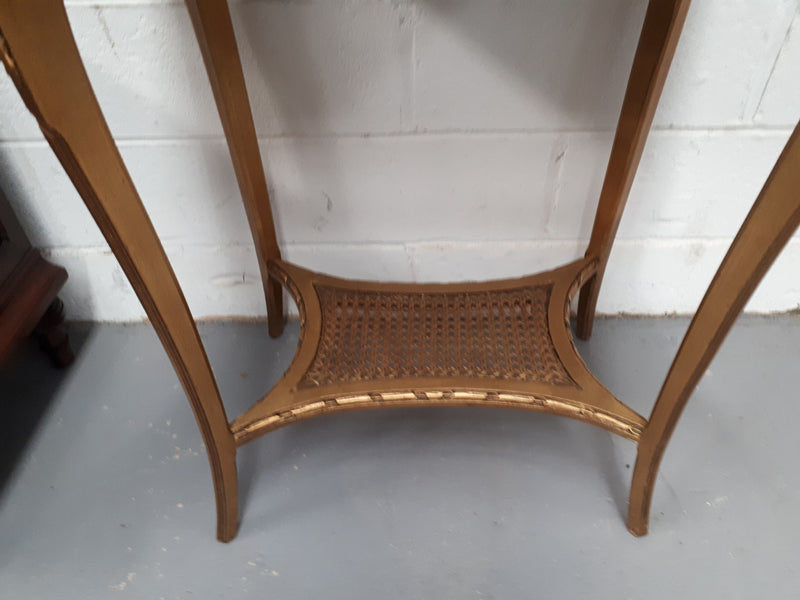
(499, 343)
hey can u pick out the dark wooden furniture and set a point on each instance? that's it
(28, 288)
(370, 345)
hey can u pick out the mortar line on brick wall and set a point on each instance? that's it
(570, 242)
(413, 91)
(123, 142)
(764, 89)
(553, 180)
(748, 129)
(520, 132)
(411, 258)
(409, 247)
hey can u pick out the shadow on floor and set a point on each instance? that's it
(28, 384)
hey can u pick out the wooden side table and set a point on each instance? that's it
(374, 344)
(28, 288)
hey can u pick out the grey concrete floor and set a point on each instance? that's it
(112, 493)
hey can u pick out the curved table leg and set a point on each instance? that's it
(214, 31)
(39, 52)
(769, 225)
(657, 42)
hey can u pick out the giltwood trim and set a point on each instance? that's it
(768, 227)
(659, 38)
(422, 396)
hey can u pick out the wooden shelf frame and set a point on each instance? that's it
(39, 52)
(576, 393)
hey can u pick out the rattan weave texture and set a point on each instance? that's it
(380, 335)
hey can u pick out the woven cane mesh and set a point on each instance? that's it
(380, 335)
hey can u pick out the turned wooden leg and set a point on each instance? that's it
(52, 337)
(766, 230)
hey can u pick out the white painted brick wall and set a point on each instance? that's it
(423, 140)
